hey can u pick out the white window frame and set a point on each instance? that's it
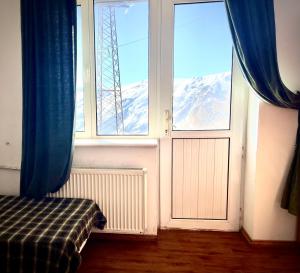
(90, 108)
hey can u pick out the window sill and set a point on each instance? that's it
(150, 142)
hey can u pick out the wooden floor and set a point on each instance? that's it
(188, 251)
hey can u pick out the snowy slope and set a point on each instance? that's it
(135, 108)
(200, 103)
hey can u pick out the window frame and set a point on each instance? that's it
(86, 68)
(89, 70)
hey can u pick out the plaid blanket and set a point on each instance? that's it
(44, 236)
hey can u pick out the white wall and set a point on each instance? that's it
(273, 159)
(10, 95)
(250, 162)
(287, 15)
(271, 138)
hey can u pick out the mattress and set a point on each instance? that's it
(45, 235)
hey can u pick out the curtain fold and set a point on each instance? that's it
(48, 61)
(252, 25)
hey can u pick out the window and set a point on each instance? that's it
(118, 64)
(202, 67)
(117, 86)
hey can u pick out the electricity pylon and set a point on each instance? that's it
(109, 91)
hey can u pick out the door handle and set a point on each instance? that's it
(167, 122)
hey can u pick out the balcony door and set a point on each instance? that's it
(203, 108)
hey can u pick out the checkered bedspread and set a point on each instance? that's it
(44, 236)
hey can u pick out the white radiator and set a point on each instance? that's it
(120, 193)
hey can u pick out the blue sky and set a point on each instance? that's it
(202, 41)
(79, 49)
(132, 29)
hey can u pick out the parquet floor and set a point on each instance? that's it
(188, 251)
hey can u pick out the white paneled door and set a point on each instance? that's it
(200, 178)
(203, 107)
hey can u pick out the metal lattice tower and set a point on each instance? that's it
(109, 92)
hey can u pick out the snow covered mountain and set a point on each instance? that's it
(199, 103)
(135, 108)
(202, 103)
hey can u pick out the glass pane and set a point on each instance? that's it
(202, 67)
(121, 46)
(79, 113)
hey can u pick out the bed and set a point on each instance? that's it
(45, 235)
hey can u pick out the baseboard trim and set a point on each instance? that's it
(267, 243)
(153, 238)
(123, 237)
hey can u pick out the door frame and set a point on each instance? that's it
(239, 98)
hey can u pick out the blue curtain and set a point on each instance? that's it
(252, 24)
(48, 60)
